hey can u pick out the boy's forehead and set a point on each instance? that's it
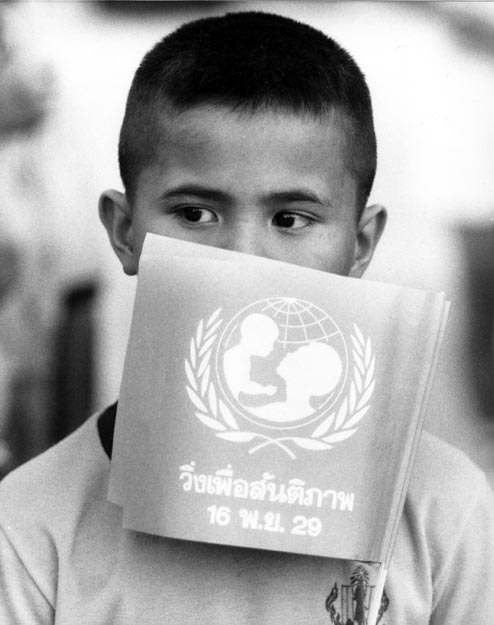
(220, 132)
(249, 157)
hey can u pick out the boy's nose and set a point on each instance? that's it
(247, 239)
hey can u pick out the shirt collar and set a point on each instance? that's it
(106, 427)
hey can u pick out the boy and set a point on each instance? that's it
(254, 133)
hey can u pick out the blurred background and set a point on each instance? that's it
(65, 305)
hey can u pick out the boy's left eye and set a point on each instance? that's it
(292, 221)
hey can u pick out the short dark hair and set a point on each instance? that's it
(248, 61)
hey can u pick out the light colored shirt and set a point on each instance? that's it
(65, 558)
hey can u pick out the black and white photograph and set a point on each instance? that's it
(246, 312)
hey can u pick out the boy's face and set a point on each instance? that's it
(271, 184)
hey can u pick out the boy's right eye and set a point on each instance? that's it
(196, 215)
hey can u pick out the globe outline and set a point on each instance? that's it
(233, 325)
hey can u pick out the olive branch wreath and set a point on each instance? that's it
(215, 414)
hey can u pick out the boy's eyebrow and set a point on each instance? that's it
(290, 195)
(297, 195)
(198, 190)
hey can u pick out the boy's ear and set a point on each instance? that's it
(370, 228)
(116, 215)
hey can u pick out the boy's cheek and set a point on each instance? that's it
(332, 251)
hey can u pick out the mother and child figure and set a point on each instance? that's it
(251, 132)
(311, 369)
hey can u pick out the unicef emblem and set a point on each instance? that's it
(281, 362)
(274, 371)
